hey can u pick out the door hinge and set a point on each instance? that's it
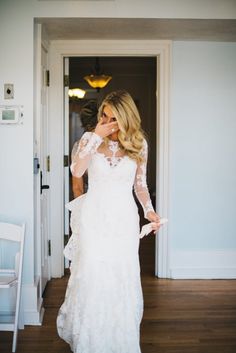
(49, 247)
(66, 161)
(48, 163)
(47, 78)
(66, 80)
(36, 165)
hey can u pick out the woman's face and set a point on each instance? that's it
(108, 117)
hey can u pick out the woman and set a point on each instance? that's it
(103, 305)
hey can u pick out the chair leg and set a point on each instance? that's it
(21, 321)
(15, 333)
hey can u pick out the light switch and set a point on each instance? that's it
(8, 91)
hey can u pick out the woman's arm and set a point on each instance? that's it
(83, 151)
(142, 192)
(87, 146)
(140, 183)
(77, 186)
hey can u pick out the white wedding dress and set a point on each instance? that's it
(103, 305)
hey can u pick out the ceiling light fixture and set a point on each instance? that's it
(76, 92)
(97, 79)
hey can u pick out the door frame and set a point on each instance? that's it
(64, 48)
(39, 43)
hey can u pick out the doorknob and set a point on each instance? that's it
(42, 187)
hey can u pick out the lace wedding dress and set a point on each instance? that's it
(103, 305)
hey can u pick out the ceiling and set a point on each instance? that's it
(133, 28)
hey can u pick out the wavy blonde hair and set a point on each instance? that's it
(131, 136)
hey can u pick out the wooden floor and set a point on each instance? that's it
(180, 316)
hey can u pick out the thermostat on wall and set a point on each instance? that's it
(11, 114)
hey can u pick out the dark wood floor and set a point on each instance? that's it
(180, 316)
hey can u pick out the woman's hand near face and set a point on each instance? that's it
(104, 130)
(155, 218)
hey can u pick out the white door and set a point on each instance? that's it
(66, 152)
(44, 163)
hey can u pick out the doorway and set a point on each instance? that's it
(107, 48)
(138, 76)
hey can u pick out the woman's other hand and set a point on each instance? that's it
(155, 219)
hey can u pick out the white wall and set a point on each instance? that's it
(203, 158)
(16, 153)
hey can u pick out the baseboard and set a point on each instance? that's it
(34, 317)
(212, 264)
(203, 273)
(32, 304)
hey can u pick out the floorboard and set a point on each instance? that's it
(180, 316)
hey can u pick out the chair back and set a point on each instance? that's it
(10, 277)
(13, 233)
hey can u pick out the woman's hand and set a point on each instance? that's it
(104, 130)
(155, 219)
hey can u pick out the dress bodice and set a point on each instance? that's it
(110, 170)
(107, 175)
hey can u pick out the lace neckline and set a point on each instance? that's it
(112, 160)
(113, 146)
(113, 142)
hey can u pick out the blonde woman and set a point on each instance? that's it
(103, 305)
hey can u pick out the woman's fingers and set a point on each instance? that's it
(157, 222)
(111, 127)
(156, 226)
(106, 129)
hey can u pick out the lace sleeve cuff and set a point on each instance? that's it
(148, 207)
(89, 144)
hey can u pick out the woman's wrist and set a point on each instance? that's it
(148, 211)
(97, 136)
(152, 216)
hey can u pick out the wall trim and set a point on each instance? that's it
(214, 264)
(32, 304)
(57, 51)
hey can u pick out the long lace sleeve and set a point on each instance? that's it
(83, 151)
(140, 183)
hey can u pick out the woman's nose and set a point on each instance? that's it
(104, 120)
(108, 120)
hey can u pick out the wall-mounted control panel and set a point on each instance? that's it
(11, 114)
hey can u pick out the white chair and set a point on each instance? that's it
(12, 277)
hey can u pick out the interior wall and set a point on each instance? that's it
(16, 153)
(202, 156)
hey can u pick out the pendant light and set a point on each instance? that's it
(76, 93)
(97, 79)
